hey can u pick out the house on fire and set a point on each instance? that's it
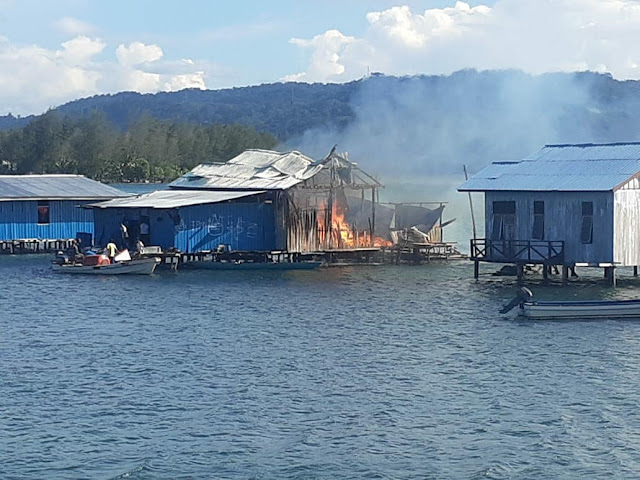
(568, 205)
(260, 201)
(47, 207)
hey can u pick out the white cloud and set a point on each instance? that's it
(72, 26)
(137, 53)
(33, 78)
(328, 49)
(192, 80)
(532, 35)
(80, 50)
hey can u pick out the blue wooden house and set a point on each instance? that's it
(190, 221)
(259, 200)
(48, 207)
(567, 205)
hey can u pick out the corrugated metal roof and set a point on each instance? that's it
(172, 199)
(251, 170)
(583, 167)
(54, 187)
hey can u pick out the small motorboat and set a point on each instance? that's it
(100, 265)
(580, 309)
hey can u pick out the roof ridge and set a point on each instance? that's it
(584, 145)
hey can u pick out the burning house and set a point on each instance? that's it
(316, 205)
(265, 201)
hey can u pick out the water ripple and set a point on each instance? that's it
(387, 372)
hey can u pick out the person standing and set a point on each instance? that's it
(112, 250)
(124, 233)
(144, 230)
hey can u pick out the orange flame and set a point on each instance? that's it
(344, 235)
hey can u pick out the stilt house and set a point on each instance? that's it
(569, 205)
(260, 200)
(47, 207)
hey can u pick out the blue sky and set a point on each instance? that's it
(55, 51)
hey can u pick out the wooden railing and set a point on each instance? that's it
(518, 251)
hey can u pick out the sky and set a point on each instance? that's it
(52, 52)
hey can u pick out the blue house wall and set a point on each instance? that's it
(562, 221)
(242, 226)
(19, 220)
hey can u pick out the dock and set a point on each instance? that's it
(34, 245)
(414, 254)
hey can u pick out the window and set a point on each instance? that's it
(538, 221)
(504, 220)
(43, 212)
(586, 230)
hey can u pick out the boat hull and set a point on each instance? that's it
(144, 266)
(580, 310)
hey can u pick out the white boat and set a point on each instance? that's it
(566, 310)
(143, 266)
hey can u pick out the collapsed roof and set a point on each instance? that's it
(269, 170)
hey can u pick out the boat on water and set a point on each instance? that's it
(100, 264)
(143, 266)
(571, 310)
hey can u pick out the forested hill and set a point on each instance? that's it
(287, 110)
(284, 110)
(402, 125)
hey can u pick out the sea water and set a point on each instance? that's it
(369, 372)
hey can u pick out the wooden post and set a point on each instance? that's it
(635, 271)
(545, 273)
(565, 275)
(373, 214)
(476, 269)
(328, 221)
(610, 275)
(473, 218)
(520, 273)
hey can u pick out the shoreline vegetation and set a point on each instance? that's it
(149, 151)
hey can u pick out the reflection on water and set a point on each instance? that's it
(394, 372)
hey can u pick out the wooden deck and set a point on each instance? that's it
(543, 252)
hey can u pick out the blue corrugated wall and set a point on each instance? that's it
(243, 226)
(19, 220)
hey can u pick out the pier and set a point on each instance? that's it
(398, 254)
(34, 245)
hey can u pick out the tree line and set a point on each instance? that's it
(149, 150)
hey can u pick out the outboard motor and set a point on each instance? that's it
(524, 295)
(60, 258)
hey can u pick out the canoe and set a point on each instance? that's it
(580, 309)
(565, 310)
(144, 266)
(210, 265)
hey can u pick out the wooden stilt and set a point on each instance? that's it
(545, 273)
(635, 271)
(520, 273)
(565, 275)
(476, 269)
